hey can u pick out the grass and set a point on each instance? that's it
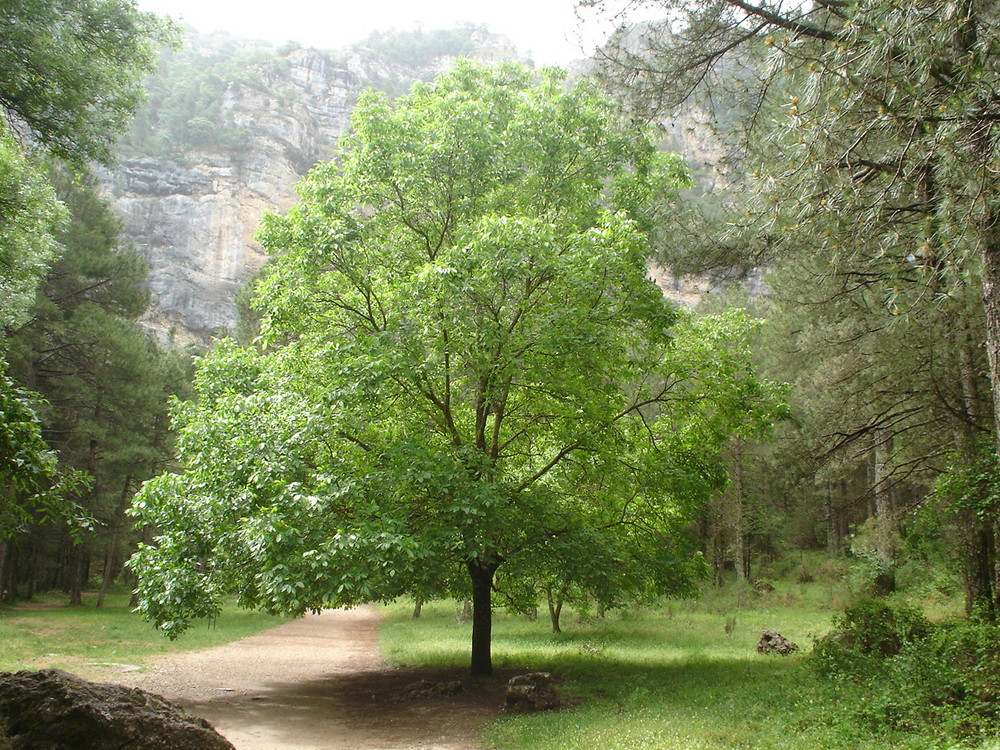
(47, 633)
(668, 678)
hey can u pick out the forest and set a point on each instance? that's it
(457, 394)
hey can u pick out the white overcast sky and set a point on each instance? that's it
(551, 31)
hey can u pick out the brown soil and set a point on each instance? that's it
(318, 683)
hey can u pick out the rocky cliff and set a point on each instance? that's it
(230, 129)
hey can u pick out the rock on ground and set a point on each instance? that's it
(535, 691)
(56, 710)
(774, 643)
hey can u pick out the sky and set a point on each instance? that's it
(550, 31)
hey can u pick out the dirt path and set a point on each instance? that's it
(318, 683)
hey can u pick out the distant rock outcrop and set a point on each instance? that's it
(193, 213)
(232, 126)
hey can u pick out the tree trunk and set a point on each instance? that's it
(832, 526)
(3, 560)
(113, 551)
(991, 305)
(78, 571)
(980, 569)
(481, 575)
(885, 516)
(107, 573)
(30, 572)
(555, 602)
(741, 554)
(976, 533)
(990, 243)
(996, 567)
(719, 558)
(418, 604)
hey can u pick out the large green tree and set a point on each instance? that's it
(467, 369)
(71, 71)
(70, 78)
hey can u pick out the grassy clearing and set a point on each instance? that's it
(47, 633)
(667, 678)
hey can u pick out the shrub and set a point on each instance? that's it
(870, 629)
(915, 675)
(948, 682)
(884, 630)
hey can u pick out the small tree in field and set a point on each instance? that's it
(466, 370)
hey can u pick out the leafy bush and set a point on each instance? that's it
(870, 628)
(916, 676)
(948, 682)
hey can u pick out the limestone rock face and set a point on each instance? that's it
(194, 218)
(192, 205)
(225, 149)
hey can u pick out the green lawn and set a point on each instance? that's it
(47, 633)
(665, 678)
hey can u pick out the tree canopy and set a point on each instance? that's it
(467, 368)
(71, 72)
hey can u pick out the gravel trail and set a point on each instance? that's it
(318, 683)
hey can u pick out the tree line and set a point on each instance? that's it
(83, 390)
(866, 190)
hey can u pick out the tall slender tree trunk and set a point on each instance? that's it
(481, 574)
(719, 558)
(79, 567)
(740, 552)
(976, 531)
(980, 568)
(996, 566)
(832, 525)
(112, 551)
(990, 249)
(3, 569)
(30, 573)
(885, 514)
(990, 240)
(108, 569)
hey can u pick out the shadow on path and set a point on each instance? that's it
(318, 683)
(364, 709)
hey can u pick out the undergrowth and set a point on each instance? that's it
(936, 679)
